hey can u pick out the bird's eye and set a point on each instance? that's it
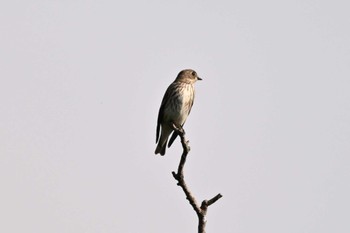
(194, 73)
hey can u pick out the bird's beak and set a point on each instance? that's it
(198, 78)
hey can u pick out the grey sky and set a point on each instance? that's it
(81, 84)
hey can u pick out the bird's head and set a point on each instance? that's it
(188, 76)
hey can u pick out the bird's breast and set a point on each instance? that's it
(180, 105)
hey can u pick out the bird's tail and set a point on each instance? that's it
(161, 146)
(163, 140)
(172, 138)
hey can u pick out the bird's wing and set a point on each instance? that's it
(161, 111)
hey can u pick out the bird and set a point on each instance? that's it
(175, 108)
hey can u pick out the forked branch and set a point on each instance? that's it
(201, 210)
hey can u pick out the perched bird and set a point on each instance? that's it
(175, 108)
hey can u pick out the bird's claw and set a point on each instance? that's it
(179, 129)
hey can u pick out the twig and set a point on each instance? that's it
(201, 211)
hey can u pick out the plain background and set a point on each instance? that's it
(81, 85)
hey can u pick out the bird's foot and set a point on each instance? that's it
(178, 129)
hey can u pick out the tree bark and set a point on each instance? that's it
(201, 210)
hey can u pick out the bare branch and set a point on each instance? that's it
(201, 211)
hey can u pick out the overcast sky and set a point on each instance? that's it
(81, 85)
